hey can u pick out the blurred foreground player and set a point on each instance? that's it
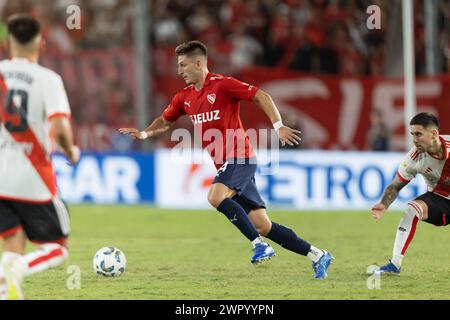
(430, 158)
(34, 107)
(212, 102)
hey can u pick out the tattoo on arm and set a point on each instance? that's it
(391, 192)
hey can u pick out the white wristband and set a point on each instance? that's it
(143, 135)
(277, 125)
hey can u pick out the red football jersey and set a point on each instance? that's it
(214, 111)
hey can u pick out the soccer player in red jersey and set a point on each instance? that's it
(430, 157)
(212, 102)
(34, 106)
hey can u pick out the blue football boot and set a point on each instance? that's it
(320, 267)
(388, 268)
(262, 251)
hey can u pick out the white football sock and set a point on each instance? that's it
(315, 254)
(405, 232)
(257, 240)
(45, 257)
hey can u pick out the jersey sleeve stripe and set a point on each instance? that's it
(401, 178)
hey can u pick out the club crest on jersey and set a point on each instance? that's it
(211, 98)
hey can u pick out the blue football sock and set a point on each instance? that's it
(237, 215)
(287, 238)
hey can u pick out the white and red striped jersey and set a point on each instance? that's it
(34, 95)
(436, 172)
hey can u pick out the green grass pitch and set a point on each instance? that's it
(181, 254)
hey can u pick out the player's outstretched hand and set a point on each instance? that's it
(289, 136)
(378, 211)
(135, 133)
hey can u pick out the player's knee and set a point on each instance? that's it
(215, 200)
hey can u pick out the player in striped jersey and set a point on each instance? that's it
(430, 158)
(35, 108)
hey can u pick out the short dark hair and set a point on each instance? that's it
(23, 27)
(425, 119)
(194, 47)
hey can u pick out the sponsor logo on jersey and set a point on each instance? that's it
(205, 116)
(26, 147)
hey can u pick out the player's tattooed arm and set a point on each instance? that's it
(389, 196)
(392, 191)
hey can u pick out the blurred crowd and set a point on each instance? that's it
(317, 36)
(320, 36)
(104, 23)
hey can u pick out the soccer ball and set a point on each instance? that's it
(109, 262)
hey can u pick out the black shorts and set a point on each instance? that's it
(241, 177)
(47, 222)
(438, 208)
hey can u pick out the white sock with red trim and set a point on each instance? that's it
(405, 232)
(47, 256)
